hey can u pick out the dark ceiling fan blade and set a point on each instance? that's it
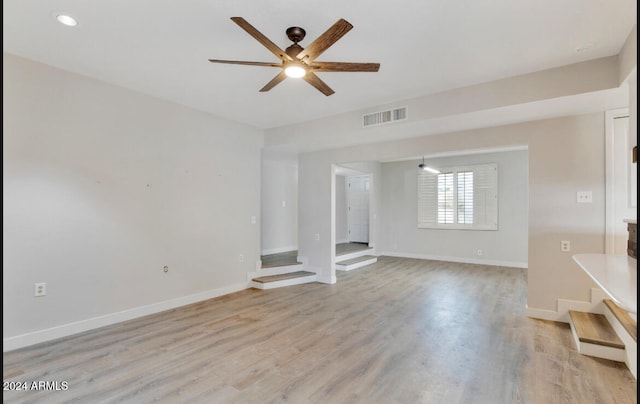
(240, 62)
(266, 42)
(274, 81)
(324, 41)
(344, 67)
(315, 81)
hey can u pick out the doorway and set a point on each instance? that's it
(357, 188)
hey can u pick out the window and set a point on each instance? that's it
(459, 198)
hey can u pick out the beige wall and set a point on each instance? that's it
(568, 90)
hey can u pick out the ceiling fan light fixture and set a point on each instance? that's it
(425, 167)
(429, 169)
(295, 70)
(299, 62)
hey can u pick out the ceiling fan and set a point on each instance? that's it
(296, 61)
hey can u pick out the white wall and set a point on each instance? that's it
(316, 216)
(279, 205)
(342, 220)
(103, 187)
(507, 246)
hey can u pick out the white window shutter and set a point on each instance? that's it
(427, 199)
(475, 199)
(486, 196)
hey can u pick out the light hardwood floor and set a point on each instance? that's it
(399, 331)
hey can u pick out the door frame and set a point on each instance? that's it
(610, 150)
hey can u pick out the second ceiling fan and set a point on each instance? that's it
(296, 61)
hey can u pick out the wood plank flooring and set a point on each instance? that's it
(402, 331)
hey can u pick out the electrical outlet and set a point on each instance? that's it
(317, 237)
(584, 197)
(241, 258)
(479, 252)
(565, 246)
(40, 289)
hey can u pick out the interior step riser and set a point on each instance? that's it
(345, 257)
(349, 267)
(626, 327)
(627, 333)
(599, 351)
(279, 270)
(594, 336)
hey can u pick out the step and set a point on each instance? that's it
(277, 270)
(594, 336)
(286, 279)
(629, 324)
(355, 254)
(357, 262)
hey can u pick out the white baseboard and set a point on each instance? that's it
(544, 314)
(595, 305)
(498, 263)
(278, 250)
(329, 277)
(561, 314)
(65, 330)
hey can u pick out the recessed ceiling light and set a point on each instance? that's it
(67, 20)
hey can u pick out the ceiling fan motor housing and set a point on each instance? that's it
(296, 34)
(296, 61)
(294, 50)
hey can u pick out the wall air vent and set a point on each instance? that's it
(382, 117)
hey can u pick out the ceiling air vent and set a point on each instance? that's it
(382, 117)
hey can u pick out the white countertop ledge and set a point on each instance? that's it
(616, 275)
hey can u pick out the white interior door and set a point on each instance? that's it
(358, 208)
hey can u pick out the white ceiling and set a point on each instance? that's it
(161, 47)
